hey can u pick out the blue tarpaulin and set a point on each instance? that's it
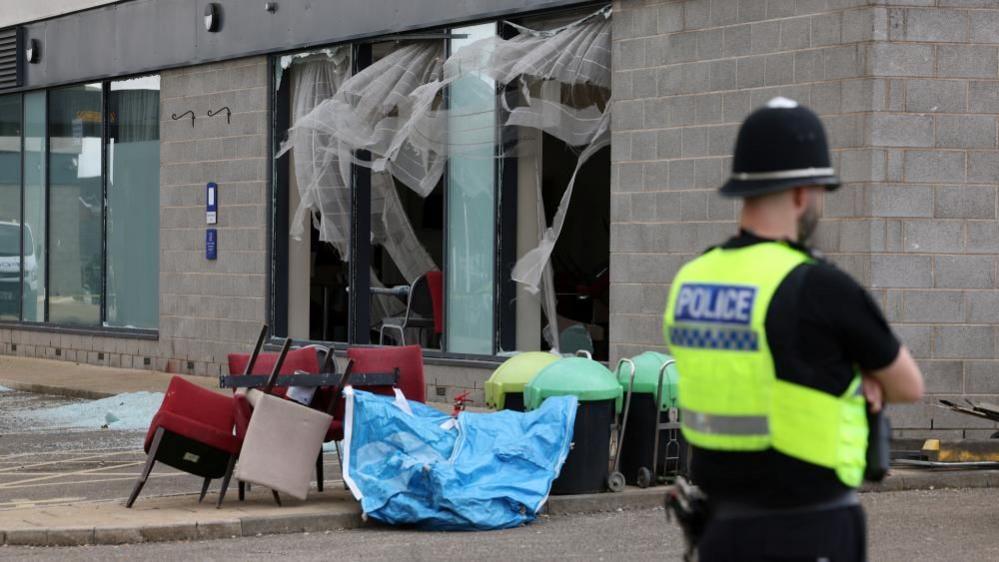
(409, 464)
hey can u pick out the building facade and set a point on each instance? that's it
(107, 203)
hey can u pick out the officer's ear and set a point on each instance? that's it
(799, 198)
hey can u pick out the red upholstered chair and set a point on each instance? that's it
(193, 432)
(435, 282)
(408, 359)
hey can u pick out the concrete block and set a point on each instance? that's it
(966, 131)
(657, 113)
(694, 142)
(985, 27)
(843, 62)
(982, 306)
(933, 306)
(780, 8)
(795, 34)
(935, 24)
(964, 272)
(779, 69)
(964, 342)
(966, 202)
(967, 61)
(737, 40)
(905, 130)
(674, 48)
(983, 167)
(942, 376)
(721, 139)
(918, 338)
(644, 85)
(656, 176)
(708, 109)
(750, 72)
(669, 17)
(736, 106)
(827, 99)
(863, 95)
(934, 166)
(808, 66)
(696, 14)
(889, 59)
(981, 377)
(859, 25)
(901, 201)
(644, 145)
(983, 96)
(896, 95)
(924, 236)
(901, 271)
(722, 75)
(765, 37)
(826, 29)
(945, 96)
(669, 143)
(752, 10)
(708, 173)
(681, 206)
(629, 55)
(710, 44)
(643, 206)
(983, 237)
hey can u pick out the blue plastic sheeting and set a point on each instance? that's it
(409, 464)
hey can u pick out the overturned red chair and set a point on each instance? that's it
(193, 432)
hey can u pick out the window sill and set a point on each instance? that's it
(129, 333)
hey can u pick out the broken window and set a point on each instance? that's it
(470, 162)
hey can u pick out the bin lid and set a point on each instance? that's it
(573, 376)
(647, 367)
(514, 374)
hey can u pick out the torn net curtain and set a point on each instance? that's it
(557, 81)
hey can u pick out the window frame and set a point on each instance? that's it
(45, 325)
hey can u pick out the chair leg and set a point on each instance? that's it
(225, 480)
(204, 489)
(242, 490)
(381, 335)
(277, 498)
(319, 471)
(150, 461)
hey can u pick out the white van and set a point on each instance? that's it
(10, 262)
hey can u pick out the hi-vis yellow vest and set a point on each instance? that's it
(730, 396)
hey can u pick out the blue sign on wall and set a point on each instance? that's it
(211, 243)
(212, 203)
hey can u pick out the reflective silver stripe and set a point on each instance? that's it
(726, 425)
(784, 174)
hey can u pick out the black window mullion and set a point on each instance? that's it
(46, 142)
(105, 136)
(359, 331)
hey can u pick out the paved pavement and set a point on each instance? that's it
(953, 525)
(52, 478)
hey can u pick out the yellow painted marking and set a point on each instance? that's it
(72, 473)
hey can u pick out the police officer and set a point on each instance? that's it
(777, 351)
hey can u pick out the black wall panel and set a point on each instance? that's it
(146, 35)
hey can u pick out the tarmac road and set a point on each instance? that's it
(953, 525)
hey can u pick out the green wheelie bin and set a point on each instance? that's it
(653, 448)
(586, 469)
(505, 388)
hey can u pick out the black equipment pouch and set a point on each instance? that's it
(689, 505)
(878, 446)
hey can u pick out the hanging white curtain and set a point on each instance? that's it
(397, 111)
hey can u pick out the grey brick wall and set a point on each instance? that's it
(909, 93)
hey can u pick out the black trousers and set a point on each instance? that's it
(834, 535)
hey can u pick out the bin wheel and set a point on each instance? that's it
(615, 481)
(644, 479)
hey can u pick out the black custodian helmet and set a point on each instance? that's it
(780, 146)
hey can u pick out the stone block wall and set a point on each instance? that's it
(909, 93)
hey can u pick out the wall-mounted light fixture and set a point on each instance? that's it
(213, 17)
(271, 6)
(32, 51)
